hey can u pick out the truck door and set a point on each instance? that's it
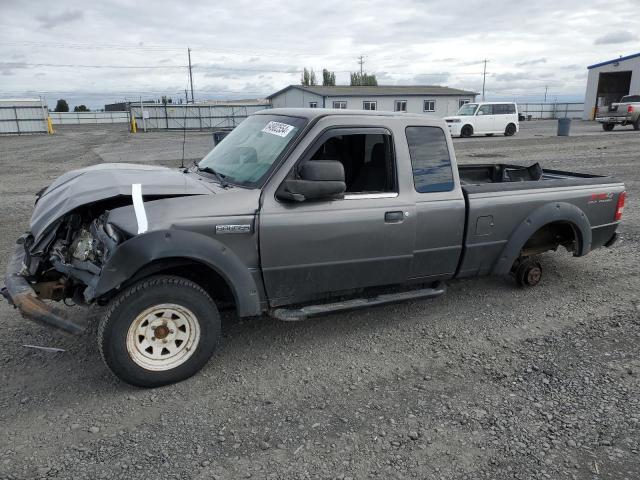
(365, 239)
(440, 205)
(484, 119)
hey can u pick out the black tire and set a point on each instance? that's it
(636, 124)
(466, 131)
(528, 273)
(146, 295)
(607, 127)
(510, 131)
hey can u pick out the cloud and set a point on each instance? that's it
(431, 79)
(622, 36)
(7, 68)
(535, 61)
(404, 42)
(48, 21)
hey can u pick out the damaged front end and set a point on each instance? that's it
(64, 264)
(71, 239)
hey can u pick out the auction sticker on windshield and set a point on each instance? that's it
(278, 128)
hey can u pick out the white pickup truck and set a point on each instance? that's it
(624, 112)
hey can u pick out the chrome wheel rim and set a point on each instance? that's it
(163, 337)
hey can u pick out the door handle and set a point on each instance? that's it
(394, 217)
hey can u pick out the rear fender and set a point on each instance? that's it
(136, 253)
(549, 213)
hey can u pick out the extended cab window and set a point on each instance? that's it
(430, 159)
(368, 160)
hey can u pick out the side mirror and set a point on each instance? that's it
(480, 112)
(319, 179)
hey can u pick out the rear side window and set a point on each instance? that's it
(430, 159)
(504, 109)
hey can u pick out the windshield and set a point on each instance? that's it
(246, 155)
(467, 109)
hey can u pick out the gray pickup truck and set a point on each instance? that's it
(296, 213)
(624, 112)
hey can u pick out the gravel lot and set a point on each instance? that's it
(486, 382)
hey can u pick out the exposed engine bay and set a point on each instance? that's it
(70, 263)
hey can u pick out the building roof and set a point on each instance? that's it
(380, 90)
(312, 113)
(608, 62)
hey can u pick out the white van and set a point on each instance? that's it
(484, 118)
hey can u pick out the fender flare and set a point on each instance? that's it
(139, 251)
(550, 213)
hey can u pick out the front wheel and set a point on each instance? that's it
(510, 130)
(636, 124)
(607, 127)
(466, 131)
(158, 331)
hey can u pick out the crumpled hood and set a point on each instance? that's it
(109, 180)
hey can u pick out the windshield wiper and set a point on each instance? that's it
(219, 176)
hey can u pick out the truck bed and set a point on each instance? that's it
(494, 177)
(500, 197)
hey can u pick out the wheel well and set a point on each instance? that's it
(208, 278)
(550, 237)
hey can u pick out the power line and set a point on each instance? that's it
(76, 65)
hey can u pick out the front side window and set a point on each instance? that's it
(246, 155)
(313, 104)
(429, 106)
(467, 110)
(430, 159)
(368, 160)
(400, 106)
(340, 104)
(369, 105)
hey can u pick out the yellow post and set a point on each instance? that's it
(50, 129)
(134, 127)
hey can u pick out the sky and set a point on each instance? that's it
(101, 52)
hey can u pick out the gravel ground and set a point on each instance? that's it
(486, 382)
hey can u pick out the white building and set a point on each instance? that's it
(435, 100)
(609, 81)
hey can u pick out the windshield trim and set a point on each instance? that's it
(276, 162)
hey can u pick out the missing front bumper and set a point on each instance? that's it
(21, 295)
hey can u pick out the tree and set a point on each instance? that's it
(328, 78)
(80, 108)
(308, 77)
(363, 80)
(62, 106)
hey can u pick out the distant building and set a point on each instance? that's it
(435, 100)
(609, 81)
(125, 106)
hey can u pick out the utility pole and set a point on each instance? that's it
(545, 93)
(484, 77)
(361, 62)
(186, 96)
(190, 75)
